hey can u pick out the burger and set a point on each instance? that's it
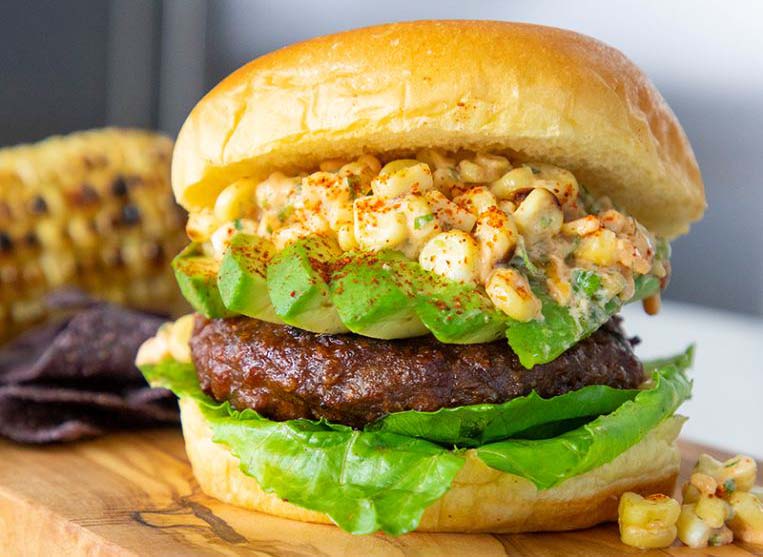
(409, 246)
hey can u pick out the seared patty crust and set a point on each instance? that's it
(286, 373)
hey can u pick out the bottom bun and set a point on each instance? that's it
(480, 499)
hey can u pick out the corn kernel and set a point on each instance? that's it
(435, 159)
(379, 223)
(476, 200)
(401, 177)
(747, 522)
(648, 522)
(510, 292)
(713, 510)
(497, 235)
(448, 214)
(600, 248)
(539, 216)
(514, 181)
(201, 225)
(582, 226)
(236, 200)
(451, 254)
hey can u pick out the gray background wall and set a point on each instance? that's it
(82, 63)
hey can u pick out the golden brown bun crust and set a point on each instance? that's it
(541, 93)
(481, 499)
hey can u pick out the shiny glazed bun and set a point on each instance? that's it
(537, 93)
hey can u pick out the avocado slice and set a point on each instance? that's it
(196, 275)
(375, 295)
(297, 281)
(458, 313)
(242, 278)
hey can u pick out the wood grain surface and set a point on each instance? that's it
(134, 495)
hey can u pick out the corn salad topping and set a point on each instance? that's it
(462, 216)
(720, 503)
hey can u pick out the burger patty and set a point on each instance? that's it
(286, 373)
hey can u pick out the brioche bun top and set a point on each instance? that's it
(536, 93)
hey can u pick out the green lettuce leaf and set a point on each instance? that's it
(384, 479)
(474, 425)
(547, 462)
(365, 481)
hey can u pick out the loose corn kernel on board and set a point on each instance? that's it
(134, 495)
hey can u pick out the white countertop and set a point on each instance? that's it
(726, 409)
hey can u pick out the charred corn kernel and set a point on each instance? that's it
(696, 533)
(742, 470)
(539, 216)
(507, 206)
(236, 201)
(332, 165)
(496, 235)
(558, 181)
(178, 335)
(401, 177)
(471, 172)
(514, 181)
(201, 225)
(705, 484)
(421, 222)
(287, 235)
(379, 223)
(370, 162)
(510, 292)
(221, 237)
(452, 254)
(582, 226)
(617, 222)
(446, 180)
(747, 522)
(448, 214)
(476, 200)
(493, 166)
(713, 510)
(648, 523)
(600, 248)
(273, 193)
(435, 159)
(346, 237)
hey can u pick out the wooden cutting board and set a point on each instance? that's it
(134, 495)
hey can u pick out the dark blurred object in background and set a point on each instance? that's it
(75, 377)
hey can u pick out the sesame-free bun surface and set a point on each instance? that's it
(480, 499)
(536, 92)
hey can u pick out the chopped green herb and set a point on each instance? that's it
(587, 282)
(730, 485)
(422, 220)
(285, 213)
(535, 170)
(732, 463)
(237, 224)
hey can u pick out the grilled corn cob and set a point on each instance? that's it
(93, 210)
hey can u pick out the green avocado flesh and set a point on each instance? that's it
(196, 275)
(297, 280)
(375, 295)
(312, 284)
(242, 279)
